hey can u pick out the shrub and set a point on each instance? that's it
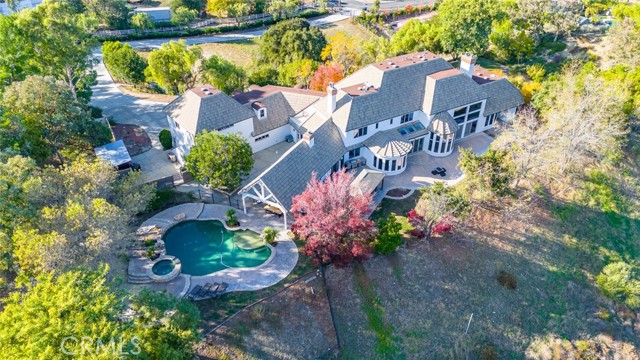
(536, 72)
(165, 139)
(507, 280)
(269, 235)
(232, 220)
(123, 63)
(96, 112)
(389, 237)
(620, 281)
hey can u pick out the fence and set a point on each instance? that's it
(215, 22)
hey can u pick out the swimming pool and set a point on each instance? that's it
(205, 247)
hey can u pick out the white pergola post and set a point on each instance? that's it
(260, 192)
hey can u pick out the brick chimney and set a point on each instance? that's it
(468, 63)
(332, 93)
(308, 138)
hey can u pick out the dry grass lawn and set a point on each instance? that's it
(425, 293)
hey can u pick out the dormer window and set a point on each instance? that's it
(260, 110)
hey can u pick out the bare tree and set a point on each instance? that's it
(625, 43)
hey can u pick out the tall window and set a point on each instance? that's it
(406, 118)
(488, 121)
(360, 132)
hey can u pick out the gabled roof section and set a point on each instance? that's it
(198, 110)
(281, 103)
(399, 90)
(502, 96)
(450, 89)
(289, 176)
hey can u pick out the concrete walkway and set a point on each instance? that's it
(283, 259)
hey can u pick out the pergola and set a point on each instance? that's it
(260, 192)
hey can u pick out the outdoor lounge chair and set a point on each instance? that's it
(211, 291)
(221, 289)
(194, 291)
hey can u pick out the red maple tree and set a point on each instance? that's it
(324, 75)
(332, 219)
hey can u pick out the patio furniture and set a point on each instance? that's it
(441, 170)
(272, 209)
(221, 289)
(443, 174)
(212, 290)
(192, 294)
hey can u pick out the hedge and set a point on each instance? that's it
(165, 139)
(308, 13)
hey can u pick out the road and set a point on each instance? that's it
(127, 109)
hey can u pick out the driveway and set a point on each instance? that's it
(126, 109)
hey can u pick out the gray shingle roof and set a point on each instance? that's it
(291, 173)
(450, 92)
(366, 180)
(388, 144)
(443, 124)
(196, 113)
(280, 106)
(502, 96)
(400, 91)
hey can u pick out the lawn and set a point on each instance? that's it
(348, 27)
(422, 296)
(239, 52)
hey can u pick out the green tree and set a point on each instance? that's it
(238, 10)
(114, 14)
(142, 21)
(16, 56)
(173, 66)
(183, 15)
(416, 35)
(223, 74)
(262, 75)
(219, 8)
(487, 174)
(196, 5)
(220, 160)
(123, 62)
(83, 212)
(466, 25)
(298, 72)
(51, 118)
(57, 43)
(389, 237)
(291, 40)
(510, 43)
(83, 305)
(282, 9)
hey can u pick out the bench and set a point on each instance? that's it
(273, 210)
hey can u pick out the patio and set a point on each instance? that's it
(418, 172)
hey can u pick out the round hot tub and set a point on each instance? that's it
(163, 267)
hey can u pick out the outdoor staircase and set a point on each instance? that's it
(138, 279)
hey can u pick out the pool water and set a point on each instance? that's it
(204, 247)
(163, 267)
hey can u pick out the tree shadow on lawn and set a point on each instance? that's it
(446, 279)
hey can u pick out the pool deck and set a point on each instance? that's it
(282, 261)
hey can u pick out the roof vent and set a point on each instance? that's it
(404, 58)
(395, 66)
(493, 75)
(391, 63)
(204, 89)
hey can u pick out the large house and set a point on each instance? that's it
(371, 121)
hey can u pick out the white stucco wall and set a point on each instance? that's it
(182, 140)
